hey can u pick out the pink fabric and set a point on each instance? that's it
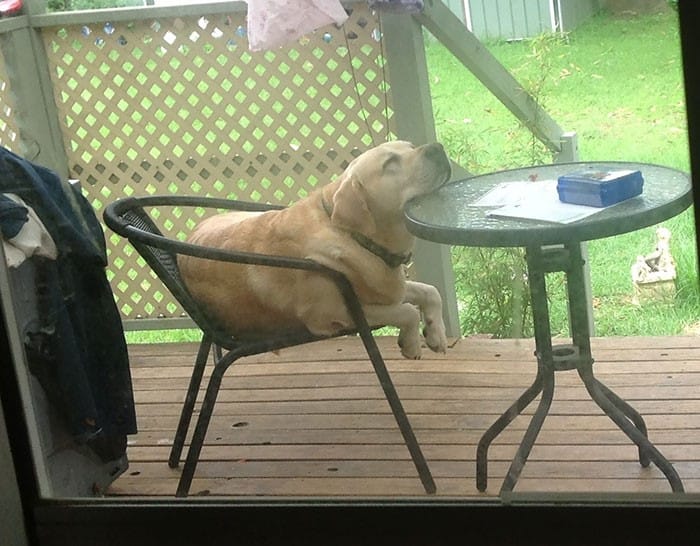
(273, 23)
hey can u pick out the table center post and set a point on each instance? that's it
(541, 261)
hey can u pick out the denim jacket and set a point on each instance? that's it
(77, 351)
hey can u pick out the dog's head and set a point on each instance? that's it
(376, 185)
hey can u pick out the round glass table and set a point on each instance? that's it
(452, 215)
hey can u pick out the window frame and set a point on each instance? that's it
(632, 519)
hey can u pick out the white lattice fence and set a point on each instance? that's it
(179, 105)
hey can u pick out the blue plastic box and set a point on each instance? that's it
(599, 188)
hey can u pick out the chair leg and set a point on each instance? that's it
(397, 409)
(355, 309)
(202, 425)
(218, 352)
(190, 399)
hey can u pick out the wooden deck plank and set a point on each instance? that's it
(569, 436)
(392, 487)
(498, 452)
(313, 421)
(617, 470)
(371, 400)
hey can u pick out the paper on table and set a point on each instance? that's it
(533, 201)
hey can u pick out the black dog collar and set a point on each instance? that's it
(389, 258)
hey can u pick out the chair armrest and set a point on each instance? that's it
(191, 201)
(114, 216)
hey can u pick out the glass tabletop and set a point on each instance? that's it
(449, 215)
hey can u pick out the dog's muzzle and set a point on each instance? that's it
(435, 154)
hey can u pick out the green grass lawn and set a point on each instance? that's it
(618, 83)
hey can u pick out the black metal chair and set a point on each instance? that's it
(131, 218)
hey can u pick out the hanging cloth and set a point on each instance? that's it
(273, 23)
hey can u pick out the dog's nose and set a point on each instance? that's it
(435, 152)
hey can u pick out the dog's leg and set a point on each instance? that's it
(428, 300)
(420, 300)
(404, 316)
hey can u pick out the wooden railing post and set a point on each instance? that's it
(40, 137)
(410, 91)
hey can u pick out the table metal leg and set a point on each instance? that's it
(499, 426)
(533, 430)
(648, 452)
(632, 415)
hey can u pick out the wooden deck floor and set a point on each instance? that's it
(313, 421)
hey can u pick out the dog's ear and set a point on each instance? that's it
(350, 209)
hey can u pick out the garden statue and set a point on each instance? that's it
(653, 275)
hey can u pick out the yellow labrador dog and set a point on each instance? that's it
(354, 225)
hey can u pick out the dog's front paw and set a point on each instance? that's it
(410, 345)
(435, 336)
